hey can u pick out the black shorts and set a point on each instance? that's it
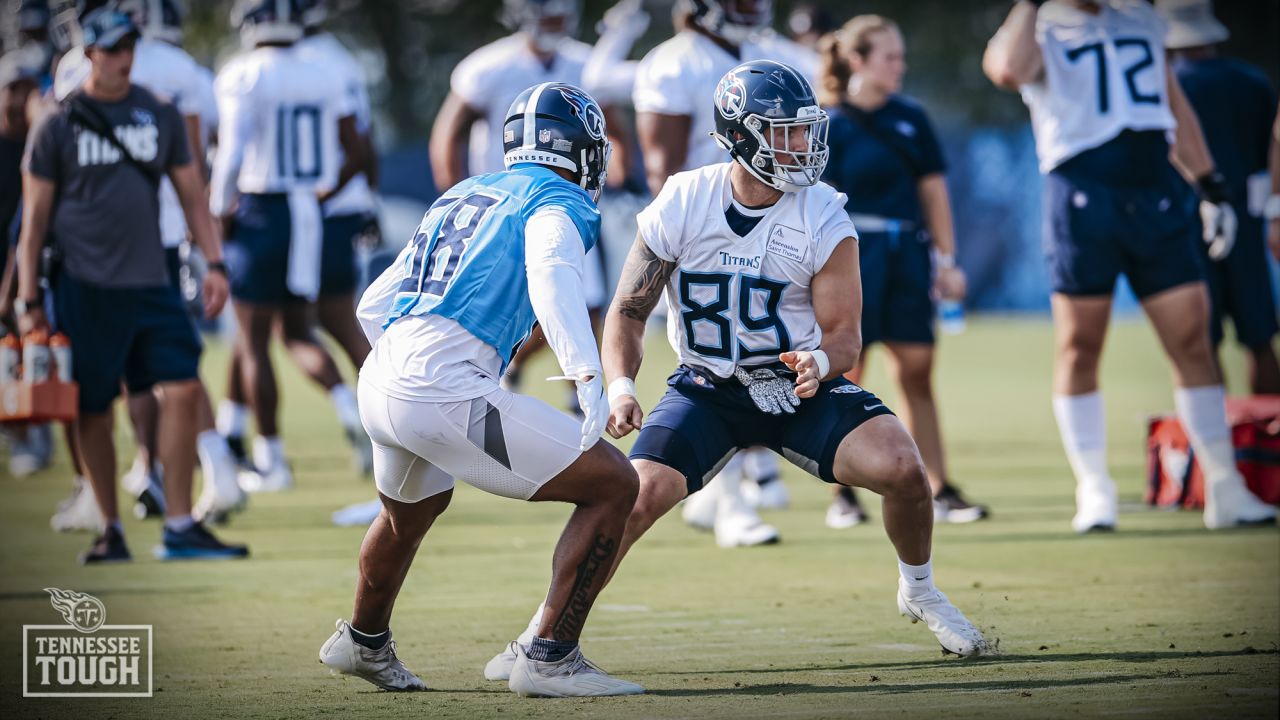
(700, 423)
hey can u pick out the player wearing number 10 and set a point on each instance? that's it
(494, 254)
(1102, 107)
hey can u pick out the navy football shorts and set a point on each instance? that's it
(897, 281)
(338, 261)
(142, 335)
(257, 252)
(1095, 231)
(700, 423)
(1240, 288)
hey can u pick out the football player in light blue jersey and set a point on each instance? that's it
(494, 255)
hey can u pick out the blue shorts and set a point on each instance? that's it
(700, 423)
(142, 335)
(257, 252)
(1240, 288)
(897, 282)
(338, 262)
(1094, 231)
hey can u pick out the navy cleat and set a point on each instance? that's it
(108, 548)
(197, 543)
(150, 504)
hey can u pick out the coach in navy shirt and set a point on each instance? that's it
(1236, 106)
(886, 158)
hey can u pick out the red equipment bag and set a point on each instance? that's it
(1174, 478)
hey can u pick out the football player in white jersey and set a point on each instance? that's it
(288, 144)
(166, 70)
(758, 261)
(465, 138)
(494, 255)
(674, 124)
(1104, 108)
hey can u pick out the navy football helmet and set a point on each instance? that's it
(547, 22)
(770, 122)
(734, 20)
(267, 21)
(158, 19)
(559, 125)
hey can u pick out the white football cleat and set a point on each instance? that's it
(699, 511)
(738, 526)
(358, 515)
(78, 512)
(574, 676)
(222, 494)
(954, 631)
(1229, 503)
(381, 667)
(843, 514)
(1095, 506)
(499, 666)
(277, 479)
(772, 495)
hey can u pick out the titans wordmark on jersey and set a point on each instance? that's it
(741, 300)
(1104, 73)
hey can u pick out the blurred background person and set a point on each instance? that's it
(1271, 206)
(887, 159)
(1236, 108)
(91, 179)
(1101, 112)
(289, 143)
(808, 23)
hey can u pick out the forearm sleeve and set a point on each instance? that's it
(554, 254)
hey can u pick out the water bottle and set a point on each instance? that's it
(951, 316)
(35, 357)
(10, 359)
(60, 349)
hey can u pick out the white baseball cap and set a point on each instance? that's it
(1191, 23)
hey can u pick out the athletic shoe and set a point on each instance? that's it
(574, 676)
(1229, 503)
(362, 449)
(1095, 506)
(767, 494)
(278, 479)
(33, 453)
(738, 526)
(197, 543)
(108, 548)
(150, 503)
(954, 631)
(499, 666)
(221, 495)
(845, 512)
(699, 510)
(78, 512)
(381, 667)
(358, 515)
(950, 506)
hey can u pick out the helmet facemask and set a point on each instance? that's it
(776, 161)
(737, 21)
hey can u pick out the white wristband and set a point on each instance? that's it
(946, 261)
(621, 386)
(824, 363)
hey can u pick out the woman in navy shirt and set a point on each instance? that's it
(886, 158)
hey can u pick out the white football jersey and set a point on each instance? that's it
(489, 80)
(679, 77)
(355, 198)
(1103, 74)
(171, 75)
(735, 300)
(208, 104)
(279, 117)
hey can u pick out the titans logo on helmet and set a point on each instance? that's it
(731, 96)
(587, 109)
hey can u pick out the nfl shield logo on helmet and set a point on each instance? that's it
(544, 136)
(731, 96)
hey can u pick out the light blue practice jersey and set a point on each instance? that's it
(466, 261)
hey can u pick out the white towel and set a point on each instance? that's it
(306, 234)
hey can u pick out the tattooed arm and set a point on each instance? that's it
(643, 278)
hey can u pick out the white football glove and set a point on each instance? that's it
(627, 18)
(595, 408)
(1217, 217)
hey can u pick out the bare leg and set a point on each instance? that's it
(1263, 369)
(1180, 316)
(661, 489)
(98, 451)
(235, 377)
(603, 485)
(178, 443)
(297, 325)
(386, 554)
(254, 355)
(338, 318)
(1080, 328)
(912, 368)
(144, 414)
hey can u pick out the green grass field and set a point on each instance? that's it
(1161, 619)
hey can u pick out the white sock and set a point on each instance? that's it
(1203, 414)
(212, 449)
(759, 464)
(1082, 423)
(182, 523)
(729, 480)
(344, 402)
(918, 579)
(233, 418)
(268, 453)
